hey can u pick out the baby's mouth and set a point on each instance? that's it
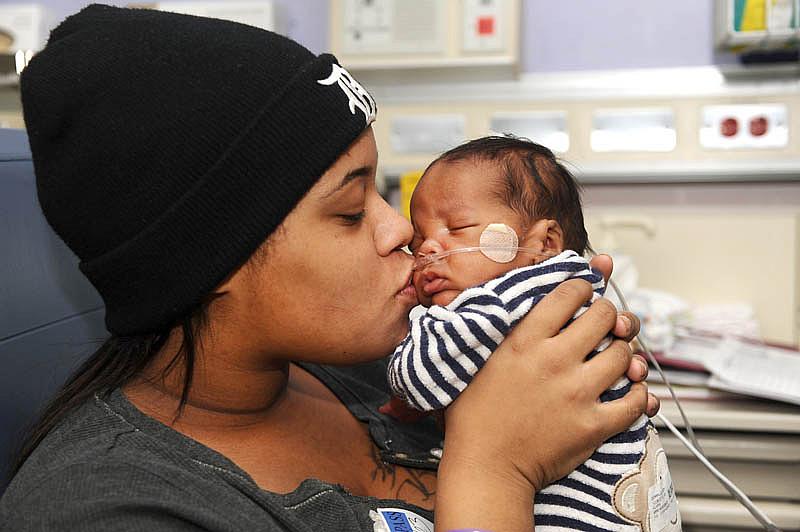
(433, 286)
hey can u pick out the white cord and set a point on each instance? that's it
(694, 446)
(760, 516)
(689, 429)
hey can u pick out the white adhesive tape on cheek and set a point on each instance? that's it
(499, 242)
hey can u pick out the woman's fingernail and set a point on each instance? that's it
(652, 404)
(643, 367)
(626, 322)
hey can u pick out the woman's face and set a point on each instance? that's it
(333, 284)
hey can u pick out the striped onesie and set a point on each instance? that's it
(624, 486)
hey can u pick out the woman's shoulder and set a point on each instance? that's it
(108, 466)
(103, 469)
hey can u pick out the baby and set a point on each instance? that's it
(519, 211)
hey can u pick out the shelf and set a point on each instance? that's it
(9, 80)
(8, 71)
(731, 171)
(429, 62)
(767, 38)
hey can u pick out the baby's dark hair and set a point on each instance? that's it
(534, 184)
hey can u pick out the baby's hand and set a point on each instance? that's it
(398, 409)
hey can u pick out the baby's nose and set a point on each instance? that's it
(429, 247)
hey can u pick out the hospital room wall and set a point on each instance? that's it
(556, 36)
(711, 241)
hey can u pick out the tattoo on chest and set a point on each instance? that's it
(382, 469)
(413, 485)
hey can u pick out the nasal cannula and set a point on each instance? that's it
(503, 247)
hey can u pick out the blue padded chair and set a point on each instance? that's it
(51, 318)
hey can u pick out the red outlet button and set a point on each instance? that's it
(485, 25)
(758, 126)
(729, 127)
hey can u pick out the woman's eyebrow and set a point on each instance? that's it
(361, 172)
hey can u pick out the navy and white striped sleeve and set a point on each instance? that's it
(447, 346)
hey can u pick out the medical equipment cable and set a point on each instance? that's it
(689, 429)
(760, 516)
(694, 446)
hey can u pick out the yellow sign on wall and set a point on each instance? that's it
(408, 182)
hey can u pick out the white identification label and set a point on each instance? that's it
(399, 520)
(661, 499)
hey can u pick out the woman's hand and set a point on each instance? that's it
(626, 328)
(532, 414)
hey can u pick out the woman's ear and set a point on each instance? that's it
(546, 235)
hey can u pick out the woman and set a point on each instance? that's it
(217, 182)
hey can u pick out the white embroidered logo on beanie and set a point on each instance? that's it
(357, 95)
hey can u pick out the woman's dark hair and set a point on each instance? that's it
(534, 183)
(113, 365)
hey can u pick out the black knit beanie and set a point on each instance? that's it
(168, 147)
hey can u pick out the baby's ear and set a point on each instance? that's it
(547, 235)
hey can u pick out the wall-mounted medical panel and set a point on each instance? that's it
(23, 27)
(426, 134)
(746, 126)
(425, 34)
(483, 26)
(616, 133)
(632, 130)
(548, 128)
(23, 32)
(258, 13)
(751, 24)
(387, 27)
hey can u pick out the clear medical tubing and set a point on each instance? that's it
(424, 261)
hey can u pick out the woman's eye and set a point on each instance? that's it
(353, 219)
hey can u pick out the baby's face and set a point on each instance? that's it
(450, 208)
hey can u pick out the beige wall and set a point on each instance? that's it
(716, 256)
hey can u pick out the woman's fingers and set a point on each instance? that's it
(653, 405)
(627, 326)
(606, 367)
(590, 328)
(638, 370)
(553, 312)
(620, 414)
(625, 329)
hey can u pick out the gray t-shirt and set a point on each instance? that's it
(109, 467)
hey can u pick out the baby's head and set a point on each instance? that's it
(491, 180)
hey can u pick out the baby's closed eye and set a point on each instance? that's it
(461, 227)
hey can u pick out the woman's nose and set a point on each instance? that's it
(393, 231)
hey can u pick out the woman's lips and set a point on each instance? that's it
(408, 291)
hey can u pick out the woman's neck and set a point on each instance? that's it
(228, 388)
